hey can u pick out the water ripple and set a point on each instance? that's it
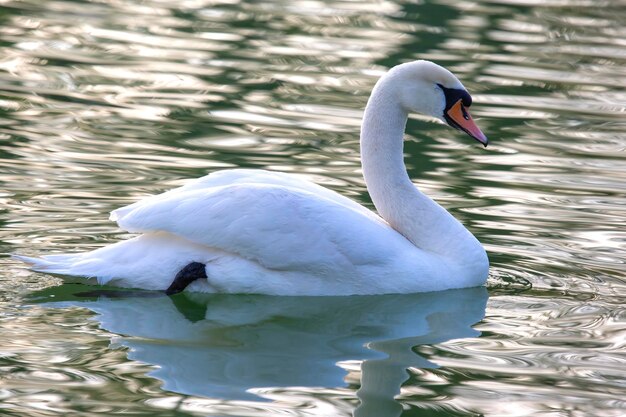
(105, 102)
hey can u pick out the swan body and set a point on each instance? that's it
(273, 233)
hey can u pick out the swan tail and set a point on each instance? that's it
(150, 261)
(65, 264)
(55, 264)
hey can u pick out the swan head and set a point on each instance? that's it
(427, 88)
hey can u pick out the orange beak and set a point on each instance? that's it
(458, 116)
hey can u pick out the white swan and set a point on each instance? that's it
(254, 231)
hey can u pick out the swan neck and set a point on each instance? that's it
(382, 155)
(413, 214)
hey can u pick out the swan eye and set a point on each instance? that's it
(453, 95)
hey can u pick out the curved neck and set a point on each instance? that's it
(422, 221)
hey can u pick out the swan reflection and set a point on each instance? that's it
(228, 346)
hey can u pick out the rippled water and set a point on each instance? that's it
(107, 101)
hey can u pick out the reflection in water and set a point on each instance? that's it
(230, 346)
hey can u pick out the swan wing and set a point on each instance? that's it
(277, 226)
(246, 176)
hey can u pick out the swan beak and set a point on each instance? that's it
(458, 117)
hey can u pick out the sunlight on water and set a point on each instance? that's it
(104, 102)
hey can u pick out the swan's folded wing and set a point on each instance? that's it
(277, 226)
(244, 176)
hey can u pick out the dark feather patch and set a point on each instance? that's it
(453, 95)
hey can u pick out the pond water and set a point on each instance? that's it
(104, 102)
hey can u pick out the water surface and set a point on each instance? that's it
(104, 102)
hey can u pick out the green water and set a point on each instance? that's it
(104, 102)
